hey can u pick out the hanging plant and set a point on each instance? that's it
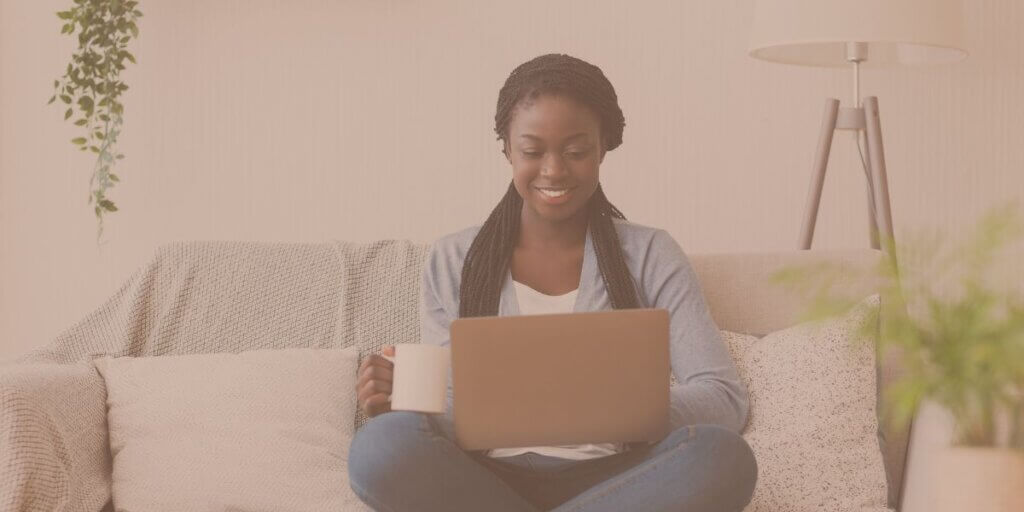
(91, 86)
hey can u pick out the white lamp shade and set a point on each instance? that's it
(815, 32)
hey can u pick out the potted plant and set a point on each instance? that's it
(959, 336)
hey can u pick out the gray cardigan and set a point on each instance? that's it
(709, 389)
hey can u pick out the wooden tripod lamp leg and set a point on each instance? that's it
(828, 128)
(879, 180)
(869, 192)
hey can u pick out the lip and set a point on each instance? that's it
(556, 200)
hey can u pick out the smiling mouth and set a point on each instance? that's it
(555, 198)
(554, 192)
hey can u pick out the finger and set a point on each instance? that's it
(374, 387)
(376, 404)
(375, 360)
(374, 372)
(388, 350)
(381, 373)
(379, 360)
(362, 368)
(362, 375)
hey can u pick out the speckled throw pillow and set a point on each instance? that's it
(812, 422)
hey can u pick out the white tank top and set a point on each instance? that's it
(533, 302)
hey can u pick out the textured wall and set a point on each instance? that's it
(305, 120)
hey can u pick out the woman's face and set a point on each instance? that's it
(554, 143)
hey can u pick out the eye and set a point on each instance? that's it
(530, 154)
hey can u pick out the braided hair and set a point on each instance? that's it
(487, 261)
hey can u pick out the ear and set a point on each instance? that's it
(505, 150)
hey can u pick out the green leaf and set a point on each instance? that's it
(67, 114)
(113, 177)
(94, 149)
(65, 98)
(120, 157)
(67, 28)
(129, 56)
(108, 205)
(81, 122)
(51, 99)
(65, 15)
(97, 211)
(133, 29)
(78, 140)
(85, 103)
(99, 135)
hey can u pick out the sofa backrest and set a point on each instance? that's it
(232, 296)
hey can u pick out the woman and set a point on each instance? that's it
(554, 244)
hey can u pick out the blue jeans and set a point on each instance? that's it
(402, 460)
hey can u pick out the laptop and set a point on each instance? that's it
(561, 378)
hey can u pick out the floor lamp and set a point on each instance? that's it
(856, 34)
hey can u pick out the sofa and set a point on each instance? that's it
(202, 297)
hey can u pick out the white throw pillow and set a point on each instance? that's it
(260, 430)
(812, 424)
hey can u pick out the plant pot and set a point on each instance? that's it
(977, 478)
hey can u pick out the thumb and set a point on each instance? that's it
(388, 350)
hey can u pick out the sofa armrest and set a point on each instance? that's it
(53, 437)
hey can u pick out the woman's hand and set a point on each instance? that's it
(373, 386)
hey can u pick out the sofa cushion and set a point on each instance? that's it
(812, 423)
(258, 430)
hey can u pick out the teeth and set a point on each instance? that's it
(554, 193)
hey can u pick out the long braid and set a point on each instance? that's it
(487, 260)
(617, 279)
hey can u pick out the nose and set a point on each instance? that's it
(553, 166)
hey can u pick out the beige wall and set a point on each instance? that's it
(308, 120)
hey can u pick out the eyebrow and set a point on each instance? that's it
(528, 136)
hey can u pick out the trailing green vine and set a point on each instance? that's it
(91, 85)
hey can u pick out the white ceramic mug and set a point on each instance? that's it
(420, 377)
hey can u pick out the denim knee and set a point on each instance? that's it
(734, 460)
(376, 448)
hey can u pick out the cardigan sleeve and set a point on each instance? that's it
(709, 389)
(436, 316)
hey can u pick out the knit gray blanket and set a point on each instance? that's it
(191, 298)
